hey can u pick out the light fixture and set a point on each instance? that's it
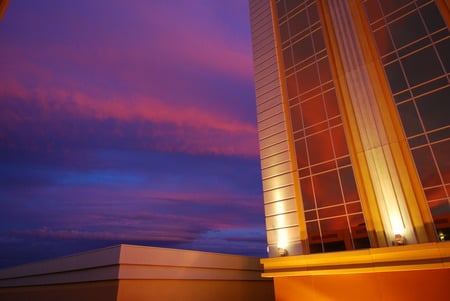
(282, 252)
(399, 240)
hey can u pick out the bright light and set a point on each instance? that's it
(282, 239)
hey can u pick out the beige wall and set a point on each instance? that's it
(134, 273)
(98, 291)
(136, 290)
(195, 290)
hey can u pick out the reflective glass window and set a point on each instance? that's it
(407, 29)
(434, 108)
(327, 189)
(319, 147)
(422, 66)
(315, 111)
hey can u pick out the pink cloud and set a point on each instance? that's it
(191, 129)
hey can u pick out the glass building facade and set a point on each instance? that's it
(353, 103)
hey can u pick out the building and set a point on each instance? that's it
(353, 107)
(128, 272)
(3, 5)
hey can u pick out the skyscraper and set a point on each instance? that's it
(353, 104)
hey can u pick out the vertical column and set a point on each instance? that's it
(375, 145)
(281, 205)
(3, 5)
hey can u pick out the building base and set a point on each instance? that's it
(412, 272)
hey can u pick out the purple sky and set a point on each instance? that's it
(127, 122)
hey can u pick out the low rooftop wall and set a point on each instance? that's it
(128, 272)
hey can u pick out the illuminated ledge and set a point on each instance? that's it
(128, 262)
(400, 258)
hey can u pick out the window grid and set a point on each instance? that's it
(334, 219)
(421, 98)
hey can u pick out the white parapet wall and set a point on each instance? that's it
(138, 272)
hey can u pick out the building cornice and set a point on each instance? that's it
(426, 256)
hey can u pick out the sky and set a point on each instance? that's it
(127, 122)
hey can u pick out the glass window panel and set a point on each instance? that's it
(281, 9)
(318, 40)
(426, 61)
(442, 153)
(313, 111)
(344, 161)
(324, 70)
(396, 78)
(319, 147)
(357, 220)
(299, 135)
(298, 23)
(291, 83)
(313, 229)
(304, 172)
(335, 121)
(327, 189)
(435, 193)
(434, 109)
(373, 10)
(359, 232)
(426, 168)
(313, 13)
(443, 49)
(318, 127)
(303, 49)
(402, 96)
(307, 194)
(407, 29)
(439, 135)
(417, 141)
(332, 211)
(410, 119)
(335, 245)
(294, 101)
(339, 142)
(296, 118)
(430, 86)
(291, 4)
(302, 157)
(331, 104)
(333, 225)
(354, 207)
(348, 184)
(308, 78)
(392, 5)
(383, 41)
(284, 32)
(439, 210)
(315, 244)
(335, 232)
(287, 58)
(432, 17)
(310, 215)
(323, 167)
